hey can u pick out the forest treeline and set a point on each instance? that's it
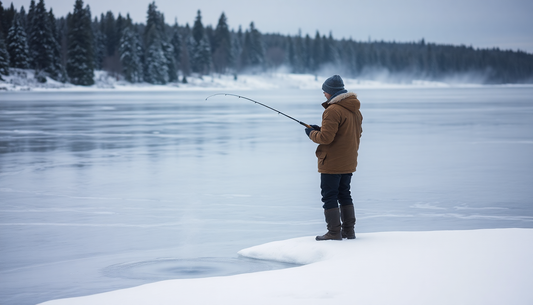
(71, 48)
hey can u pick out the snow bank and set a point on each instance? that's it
(24, 80)
(486, 267)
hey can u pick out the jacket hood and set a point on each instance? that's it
(347, 100)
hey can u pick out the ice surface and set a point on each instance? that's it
(107, 190)
(439, 267)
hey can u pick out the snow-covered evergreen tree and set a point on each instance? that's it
(201, 57)
(61, 26)
(41, 41)
(168, 51)
(291, 52)
(3, 24)
(17, 45)
(23, 19)
(57, 69)
(299, 51)
(317, 52)
(331, 52)
(4, 57)
(80, 61)
(120, 25)
(110, 30)
(236, 48)
(129, 56)
(308, 54)
(176, 43)
(253, 53)
(186, 50)
(222, 46)
(156, 65)
(98, 43)
(156, 68)
(29, 28)
(6, 18)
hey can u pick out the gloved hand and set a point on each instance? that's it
(315, 127)
(308, 130)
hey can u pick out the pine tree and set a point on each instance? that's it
(258, 47)
(176, 43)
(129, 56)
(317, 53)
(23, 19)
(7, 16)
(80, 62)
(3, 24)
(299, 49)
(120, 25)
(253, 54)
(291, 53)
(222, 46)
(98, 43)
(29, 22)
(308, 54)
(236, 50)
(110, 33)
(186, 50)
(57, 69)
(201, 55)
(110, 29)
(198, 28)
(17, 45)
(41, 42)
(156, 68)
(4, 57)
(349, 57)
(156, 65)
(61, 25)
(331, 51)
(168, 50)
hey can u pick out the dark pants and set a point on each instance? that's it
(335, 190)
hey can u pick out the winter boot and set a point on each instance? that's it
(348, 221)
(333, 221)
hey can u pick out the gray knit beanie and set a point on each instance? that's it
(333, 85)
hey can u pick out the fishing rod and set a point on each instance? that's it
(279, 112)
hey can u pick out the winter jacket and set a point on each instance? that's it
(339, 136)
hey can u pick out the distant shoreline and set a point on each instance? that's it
(24, 81)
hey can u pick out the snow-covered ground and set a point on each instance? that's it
(23, 80)
(484, 267)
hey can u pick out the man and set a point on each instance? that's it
(339, 138)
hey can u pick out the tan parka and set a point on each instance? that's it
(340, 135)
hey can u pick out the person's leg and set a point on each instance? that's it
(347, 208)
(329, 185)
(344, 196)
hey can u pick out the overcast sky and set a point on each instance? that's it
(507, 24)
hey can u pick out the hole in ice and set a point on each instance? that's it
(172, 268)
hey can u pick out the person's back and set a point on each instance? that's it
(340, 135)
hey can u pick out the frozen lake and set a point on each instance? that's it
(107, 190)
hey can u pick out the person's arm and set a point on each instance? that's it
(328, 130)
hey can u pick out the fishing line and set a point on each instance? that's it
(246, 98)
